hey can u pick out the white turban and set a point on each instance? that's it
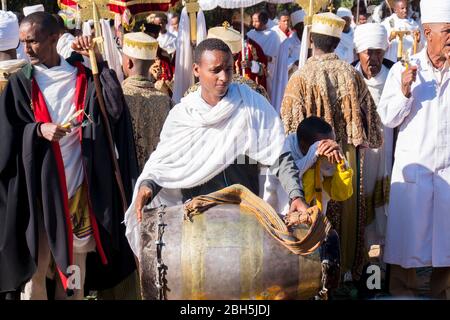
(435, 11)
(344, 12)
(9, 31)
(297, 17)
(370, 36)
(32, 9)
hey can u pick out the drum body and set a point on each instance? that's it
(224, 253)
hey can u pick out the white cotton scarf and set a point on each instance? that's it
(183, 77)
(57, 85)
(64, 45)
(10, 66)
(288, 54)
(198, 142)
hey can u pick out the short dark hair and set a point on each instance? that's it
(149, 28)
(60, 21)
(46, 22)
(210, 45)
(162, 16)
(325, 43)
(310, 127)
(283, 13)
(263, 16)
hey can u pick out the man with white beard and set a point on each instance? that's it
(371, 44)
(416, 99)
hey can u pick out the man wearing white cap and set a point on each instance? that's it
(148, 106)
(345, 49)
(288, 56)
(399, 21)
(371, 44)
(32, 9)
(9, 41)
(332, 89)
(416, 99)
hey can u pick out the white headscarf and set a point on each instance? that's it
(370, 36)
(9, 31)
(435, 11)
(344, 12)
(32, 9)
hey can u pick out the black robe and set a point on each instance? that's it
(29, 184)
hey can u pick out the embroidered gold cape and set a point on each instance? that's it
(149, 109)
(332, 89)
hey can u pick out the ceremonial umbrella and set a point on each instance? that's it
(132, 8)
(235, 4)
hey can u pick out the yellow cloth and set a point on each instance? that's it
(339, 186)
(79, 213)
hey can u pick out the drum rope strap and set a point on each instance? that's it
(266, 215)
(160, 282)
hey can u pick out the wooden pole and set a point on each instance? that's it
(103, 112)
(243, 53)
(357, 13)
(192, 8)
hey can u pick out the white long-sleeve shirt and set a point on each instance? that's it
(419, 209)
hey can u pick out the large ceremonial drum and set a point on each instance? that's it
(223, 253)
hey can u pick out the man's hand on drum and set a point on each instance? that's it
(142, 198)
(298, 205)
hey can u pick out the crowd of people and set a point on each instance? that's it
(356, 99)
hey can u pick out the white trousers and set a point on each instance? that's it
(36, 288)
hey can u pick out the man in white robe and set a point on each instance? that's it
(271, 9)
(207, 136)
(371, 44)
(399, 21)
(416, 98)
(166, 40)
(345, 49)
(288, 57)
(268, 40)
(282, 29)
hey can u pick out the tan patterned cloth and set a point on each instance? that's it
(333, 90)
(149, 109)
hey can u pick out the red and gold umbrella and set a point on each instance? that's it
(134, 8)
(140, 7)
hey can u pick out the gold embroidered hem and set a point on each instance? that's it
(79, 213)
